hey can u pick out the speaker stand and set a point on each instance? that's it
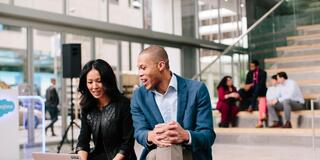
(65, 135)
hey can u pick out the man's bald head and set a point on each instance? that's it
(157, 54)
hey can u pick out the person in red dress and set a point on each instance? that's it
(227, 98)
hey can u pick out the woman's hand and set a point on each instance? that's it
(83, 155)
(119, 157)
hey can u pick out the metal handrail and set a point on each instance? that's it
(239, 38)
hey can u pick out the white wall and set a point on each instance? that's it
(93, 9)
(122, 14)
(45, 5)
(162, 16)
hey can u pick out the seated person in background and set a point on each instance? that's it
(290, 98)
(227, 98)
(272, 94)
(255, 87)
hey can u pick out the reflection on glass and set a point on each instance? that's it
(212, 76)
(46, 58)
(13, 54)
(93, 9)
(45, 5)
(222, 21)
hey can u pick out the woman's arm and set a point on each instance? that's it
(127, 140)
(221, 94)
(83, 146)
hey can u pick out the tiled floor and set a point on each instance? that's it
(219, 152)
(225, 152)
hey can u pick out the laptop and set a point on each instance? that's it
(55, 156)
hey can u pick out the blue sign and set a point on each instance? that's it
(6, 107)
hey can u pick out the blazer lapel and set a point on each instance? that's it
(182, 99)
(152, 105)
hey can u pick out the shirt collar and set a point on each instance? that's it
(172, 84)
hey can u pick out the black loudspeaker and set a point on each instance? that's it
(71, 60)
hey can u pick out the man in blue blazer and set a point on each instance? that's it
(169, 110)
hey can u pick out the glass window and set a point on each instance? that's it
(47, 64)
(136, 48)
(127, 13)
(107, 50)
(45, 5)
(114, 1)
(174, 55)
(125, 56)
(46, 59)
(93, 9)
(86, 44)
(137, 4)
(13, 58)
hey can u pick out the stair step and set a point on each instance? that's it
(304, 37)
(298, 47)
(309, 27)
(294, 70)
(309, 82)
(266, 136)
(268, 131)
(311, 96)
(293, 59)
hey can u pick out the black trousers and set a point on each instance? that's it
(53, 111)
(248, 98)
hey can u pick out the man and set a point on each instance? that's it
(51, 105)
(290, 98)
(170, 112)
(273, 91)
(255, 87)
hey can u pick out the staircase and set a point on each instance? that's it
(300, 59)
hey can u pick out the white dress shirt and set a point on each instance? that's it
(290, 90)
(168, 102)
(273, 93)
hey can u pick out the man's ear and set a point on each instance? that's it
(161, 65)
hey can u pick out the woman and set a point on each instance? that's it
(227, 98)
(105, 115)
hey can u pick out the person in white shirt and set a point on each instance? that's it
(290, 98)
(273, 91)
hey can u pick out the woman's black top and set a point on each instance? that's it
(111, 129)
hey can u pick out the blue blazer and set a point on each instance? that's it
(194, 114)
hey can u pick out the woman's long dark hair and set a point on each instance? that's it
(108, 80)
(223, 82)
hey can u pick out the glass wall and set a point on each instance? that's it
(143, 14)
(222, 21)
(13, 55)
